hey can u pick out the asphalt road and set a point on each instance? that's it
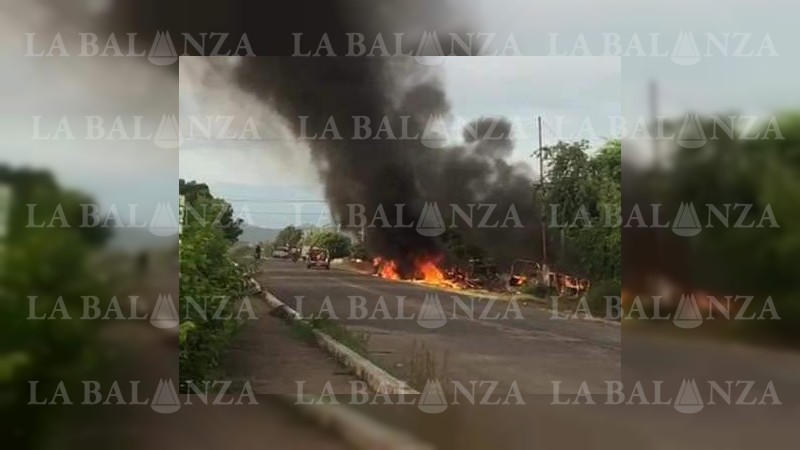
(467, 340)
(537, 350)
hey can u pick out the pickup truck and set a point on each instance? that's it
(318, 257)
(280, 252)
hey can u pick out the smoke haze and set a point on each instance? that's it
(382, 173)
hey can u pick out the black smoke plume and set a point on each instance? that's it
(373, 173)
(381, 173)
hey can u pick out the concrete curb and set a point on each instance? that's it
(356, 429)
(376, 378)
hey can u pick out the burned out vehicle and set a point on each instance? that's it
(568, 285)
(318, 258)
(484, 274)
(524, 271)
(476, 274)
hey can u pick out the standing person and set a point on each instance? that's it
(142, 263)
(258, 252)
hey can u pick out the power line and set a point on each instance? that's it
(256, 213)
(274, 201)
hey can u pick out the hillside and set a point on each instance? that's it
(252, 234)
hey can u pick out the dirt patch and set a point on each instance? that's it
(268, 354)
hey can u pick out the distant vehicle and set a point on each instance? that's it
(318, 257)
(281, 252)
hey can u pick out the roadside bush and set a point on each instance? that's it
(599, 298)
(214, 283)
(50, 264)
(539, 290)
(359, 252)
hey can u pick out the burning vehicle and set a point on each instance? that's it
(478, 274)
(567, 285)
(423, 270)
(524, 271)
(484, 274)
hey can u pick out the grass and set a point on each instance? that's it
(595, 300)
(424, 367)
(354, 340)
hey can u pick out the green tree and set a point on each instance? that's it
(211, 279)
(359, 251)
(460, 251)
(49, 204)
(198, 195)
(50, 264)
(585, 191)
(761, 173)
(288, 236)
(338, 245)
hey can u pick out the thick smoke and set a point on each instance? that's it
(372, 173)
(384, 172)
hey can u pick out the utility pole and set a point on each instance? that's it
(654, 133)
(658, 163)
(543, 223)
(6, 197)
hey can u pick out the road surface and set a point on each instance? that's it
(476, 340)
(535, 351)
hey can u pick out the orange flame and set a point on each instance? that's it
(518, 280)
(386, 268)
(430, 273)
(426, 270)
